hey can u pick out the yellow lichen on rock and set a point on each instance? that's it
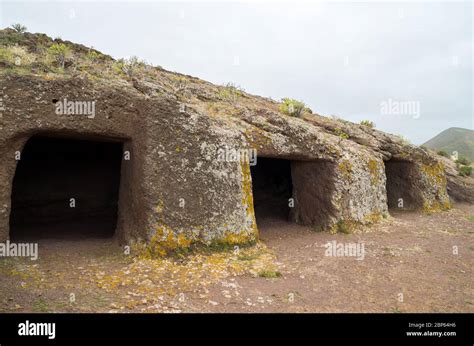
(162, 243)
(436, 178)
(349, 225)
(435, 173)
(436, 206)
(160, 206)
(242, 238)
(247, 197)
(374, 171)
(345, 167)
(372, 218)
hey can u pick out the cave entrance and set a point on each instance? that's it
(402, 191)
(272, 188)
(293, 191)
(66, 188)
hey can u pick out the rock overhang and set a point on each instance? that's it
(175, 192)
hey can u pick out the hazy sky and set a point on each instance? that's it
(356, 60)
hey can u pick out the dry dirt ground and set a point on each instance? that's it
(410, 265)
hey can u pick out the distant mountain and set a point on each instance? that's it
(454, 139)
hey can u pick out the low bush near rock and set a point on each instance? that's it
(465, 171)
(292, 107)
(367, 123)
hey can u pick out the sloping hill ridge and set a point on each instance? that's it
(454, 139)
(171, 120)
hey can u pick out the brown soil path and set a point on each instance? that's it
(409, 266)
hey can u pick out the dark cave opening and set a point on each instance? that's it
(272, 188)
(402, 191)
(66, 188)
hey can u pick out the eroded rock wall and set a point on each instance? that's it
(314, 192)
(192, 195)
(361, 194)
(175, 188)
(29, 109)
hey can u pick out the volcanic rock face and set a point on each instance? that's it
(460, 189)
(176, 188)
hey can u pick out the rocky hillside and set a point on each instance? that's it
(340, 168)
(40, 56)
(454, 139)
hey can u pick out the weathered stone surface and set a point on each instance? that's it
(460, 189)
(174, 190)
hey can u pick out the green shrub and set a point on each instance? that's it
(129, 66)
(179, 84)
(403, 140)
(16, 55)
(21, 56)
(368, 123)
(443, 153)
(230, 92)
(292, 107)
(93, 55)
(339, 132)
(59, 52)
(19, 28)
(465, 171)
(11, 38)
(463, 161)
(6, 55)
(269, 274)
(342, 227)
